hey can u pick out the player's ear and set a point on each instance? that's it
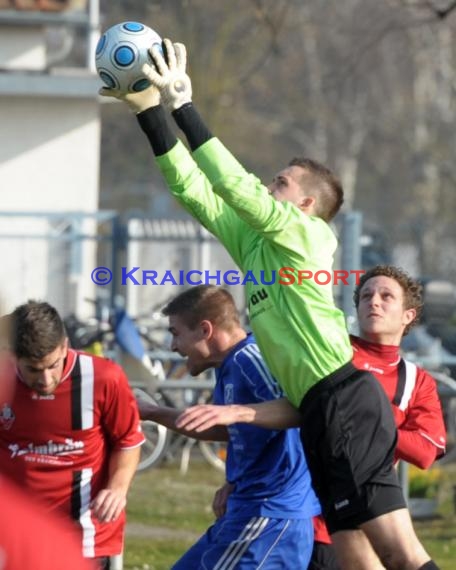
(207, 329)
(307, 204)
(409, 316)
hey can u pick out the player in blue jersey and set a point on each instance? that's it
(268, 518)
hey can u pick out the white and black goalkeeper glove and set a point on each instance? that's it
(169, 75)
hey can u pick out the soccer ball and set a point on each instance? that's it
(120, 54)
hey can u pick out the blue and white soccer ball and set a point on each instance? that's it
(120, 54)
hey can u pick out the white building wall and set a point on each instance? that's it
(51, 159)
(49, 162)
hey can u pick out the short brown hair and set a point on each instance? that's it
(36, 330)
(205, 302)
(413, 290)
(324, 186)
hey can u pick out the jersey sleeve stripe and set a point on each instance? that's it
(252, 352)
(126, 448)
(429, 438)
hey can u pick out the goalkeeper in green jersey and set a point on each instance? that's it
(348, 430)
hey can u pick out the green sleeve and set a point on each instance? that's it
(280, 222)
(216, 161)
(193, 190)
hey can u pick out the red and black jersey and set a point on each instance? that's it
(415, 401)
(58, 445)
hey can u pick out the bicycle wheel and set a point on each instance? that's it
(214, 452)
(155, 447)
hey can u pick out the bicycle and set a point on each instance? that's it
(155, 448)
(165, 383)
(177, 390)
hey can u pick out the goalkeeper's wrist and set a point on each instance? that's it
(191, 124)
(137, 109)
(142, 100)
(156, 128)
(173, 104)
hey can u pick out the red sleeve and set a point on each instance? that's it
(121, 416)
(414, 448)
(422, 434)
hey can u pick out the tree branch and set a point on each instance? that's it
(440, 13)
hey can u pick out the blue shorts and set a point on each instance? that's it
(234, 543)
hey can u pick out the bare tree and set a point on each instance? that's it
(366, 86)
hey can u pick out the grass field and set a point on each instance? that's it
(167, 512)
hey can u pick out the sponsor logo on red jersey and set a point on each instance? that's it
(7, 417)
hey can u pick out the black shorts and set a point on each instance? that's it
(349, 435)
(103, 563)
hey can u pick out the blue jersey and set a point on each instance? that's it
(267, 467)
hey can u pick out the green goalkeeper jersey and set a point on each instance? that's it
(301, 333)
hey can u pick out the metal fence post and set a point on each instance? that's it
(403, 473)
(119, 240)
(350, 259)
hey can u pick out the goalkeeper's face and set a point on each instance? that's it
(287, 186)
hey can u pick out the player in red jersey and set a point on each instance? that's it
(49, 539)
(388, 303)
(71, 434)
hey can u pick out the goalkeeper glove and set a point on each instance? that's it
(138, 101)
(169, 75)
